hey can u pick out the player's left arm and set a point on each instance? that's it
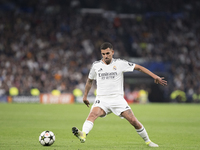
(157, 79)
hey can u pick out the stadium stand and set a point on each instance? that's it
(51, 44)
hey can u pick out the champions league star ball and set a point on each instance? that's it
(47, 138)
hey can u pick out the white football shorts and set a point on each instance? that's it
(111, 104)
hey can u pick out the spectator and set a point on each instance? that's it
(40, 43)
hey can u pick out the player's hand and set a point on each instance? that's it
(86, 102)
(159, 80)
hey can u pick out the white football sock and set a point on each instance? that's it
(87, 126)
(143, 133)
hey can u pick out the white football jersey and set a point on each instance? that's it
(110, 78)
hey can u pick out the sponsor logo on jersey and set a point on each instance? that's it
(107, 75)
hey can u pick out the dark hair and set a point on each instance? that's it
(106, 45)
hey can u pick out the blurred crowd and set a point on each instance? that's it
(49, 44)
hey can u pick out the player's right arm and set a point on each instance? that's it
(87, 89)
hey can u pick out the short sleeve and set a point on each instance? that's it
(92, 74)
(127, 66)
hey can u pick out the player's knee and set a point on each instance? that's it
(92, 116)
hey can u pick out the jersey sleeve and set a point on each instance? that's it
(92, 74)
(127, 66)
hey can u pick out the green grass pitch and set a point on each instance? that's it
(172, 126)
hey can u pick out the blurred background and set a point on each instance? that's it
(48, 46)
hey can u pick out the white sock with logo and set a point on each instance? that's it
(87, 126)
(143, 133)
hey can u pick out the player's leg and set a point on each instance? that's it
(93, 115)
(128, 115)
(88, 124)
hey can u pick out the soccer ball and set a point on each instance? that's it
(47, 138)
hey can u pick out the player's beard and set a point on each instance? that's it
(107, 61)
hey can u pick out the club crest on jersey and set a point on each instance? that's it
(114, 68)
